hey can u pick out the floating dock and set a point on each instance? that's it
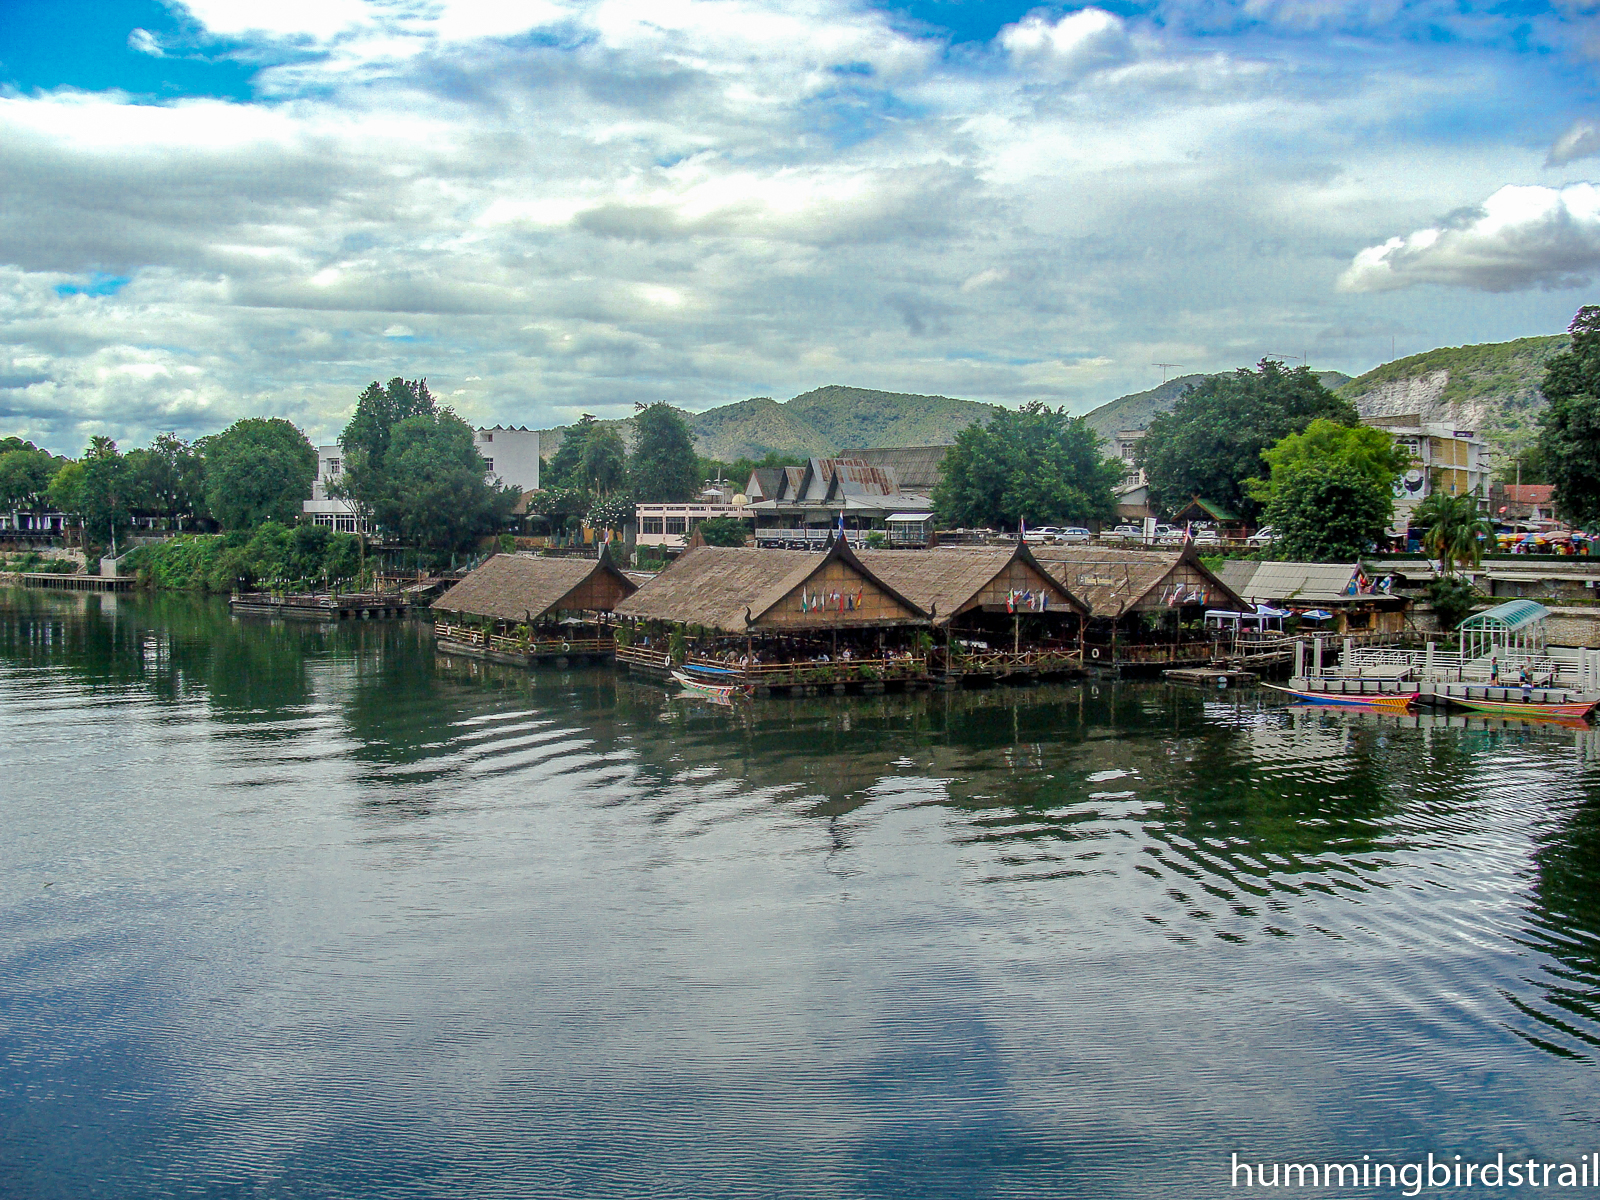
(1213, 677)
(72, 583)
(307, 607)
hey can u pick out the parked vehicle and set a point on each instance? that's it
(1076, 534)
(1207, 537)
(1168, 535)
(1123, 533)
(1264, 536)
(1042, 535)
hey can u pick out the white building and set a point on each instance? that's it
(668, 525)
(511, 455)
(1453, 461)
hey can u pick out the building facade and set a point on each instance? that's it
(1443, 459)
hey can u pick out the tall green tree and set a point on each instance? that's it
(435, 492)
(1372, 453)
(663, 468)
(257, 470)
(1328, 510)
(1211, 441)
(1034, 464)
(565, 469)
(96, 490)
(605, 461)
(1569, 428)
(169, 479)
(1453, 531)
(25, 474)
(365, 441)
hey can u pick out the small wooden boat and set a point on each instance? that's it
(705, 687)
(1392, 702)
(1526, 708)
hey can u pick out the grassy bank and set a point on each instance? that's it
(298, 556)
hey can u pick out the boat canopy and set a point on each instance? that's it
(1515, 626)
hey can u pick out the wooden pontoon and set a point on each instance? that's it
(999, 612)
(1147, 607)
(522, 609)
(775, 618)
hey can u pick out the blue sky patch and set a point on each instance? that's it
(90, 45)
(99, 285)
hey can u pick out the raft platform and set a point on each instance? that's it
(319, 607)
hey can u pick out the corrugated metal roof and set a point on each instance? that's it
(916, 467)
(1295, 581)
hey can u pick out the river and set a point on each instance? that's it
(292, 911)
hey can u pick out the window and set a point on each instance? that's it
(486, 437)
(649, 524)
(333, 466)
(488, 464)
(344, 524)
(323, 518)
(677, 525)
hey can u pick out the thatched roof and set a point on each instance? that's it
(1112, 581)
(731, 587)
(511, 587)
(943, 579)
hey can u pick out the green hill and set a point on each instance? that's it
(819, 422)
(830, 418)
(1492, 388)
(1135, 410)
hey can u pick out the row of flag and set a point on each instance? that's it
(1026, 601)
(811, 602)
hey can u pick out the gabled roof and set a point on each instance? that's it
(1206, 510)
(1237, 573)
(1325, 583)
(941, 580)
(763, 483)
(916, 468)
(730, 588)
(1112, 581)
(514, 587)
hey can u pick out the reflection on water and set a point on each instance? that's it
(299, 910)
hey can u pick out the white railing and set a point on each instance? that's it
(1449, 666)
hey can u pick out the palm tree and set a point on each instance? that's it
(1455, 533)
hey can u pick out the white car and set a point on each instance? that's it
(1124, 533)
(1076, 533)
(1168, 535)
(1264, 536)
(1207, 537)
(1040, 535)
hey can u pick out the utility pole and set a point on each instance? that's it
(1165, 367)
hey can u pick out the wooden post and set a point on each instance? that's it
(1299, 658)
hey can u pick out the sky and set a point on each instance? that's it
(218, 209)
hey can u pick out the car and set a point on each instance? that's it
(1168, 535)
(1123, 533)
(1075, 533)
(1041, 534)
(1207, 537)
(1264, 536)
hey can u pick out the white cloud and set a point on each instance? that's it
(1521, 237)
(702, 200)
(1581, 140)
(1087, 40)
(142, 41)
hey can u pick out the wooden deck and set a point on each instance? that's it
(475, 643)
(317, 607)
(70, 583)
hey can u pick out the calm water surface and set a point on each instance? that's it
(311, 912)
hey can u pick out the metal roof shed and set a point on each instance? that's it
(1517, 626)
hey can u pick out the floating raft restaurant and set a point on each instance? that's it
(774, 618)
(999, 613)
(1147, 606)
(521, 609)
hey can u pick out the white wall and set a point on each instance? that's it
(513, 455)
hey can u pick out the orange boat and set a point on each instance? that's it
(1392, 702)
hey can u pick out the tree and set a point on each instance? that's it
(663, 468)
(566, 465)
(378, 411)
(257, 470)
(1034, 464)
(435, 491)
(1211, 441)
(1373, 453)
(1525, 466)
(1453, 531)
(95, 490)
(605, 462)
(1329, 510)
(25, 474)
(168, 479)
(367, 436)
(723, 531)
(1569, 433)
